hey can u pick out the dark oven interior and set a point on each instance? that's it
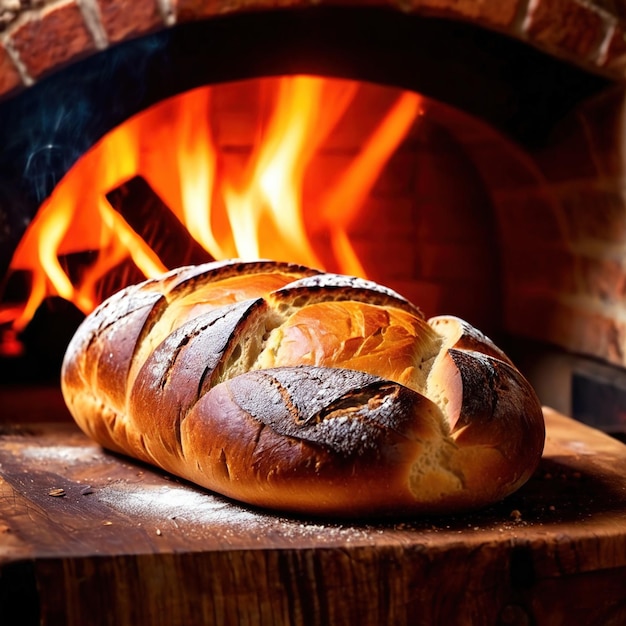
(502, 203)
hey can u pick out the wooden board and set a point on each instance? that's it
(87, 537)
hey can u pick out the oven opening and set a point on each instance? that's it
(296, 137)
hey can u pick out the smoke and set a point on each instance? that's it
(44, 130)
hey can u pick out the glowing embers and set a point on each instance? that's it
(274, 168)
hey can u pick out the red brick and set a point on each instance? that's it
(449, 219)
(453, 202)
(567, 26)
(578, 325)
(524, 313)
(492, 12)
(385, 218)
(601, 279)
(460, 262)
(614, 59)
(586, 330)
(539, 315)
(386, 257)
(397, 177)
(604, 122)
(122, 20)
(585, 145)
(10, 78)
(568, 155)
(188, 10)
(614, 7)
(529, 217)
(595, 215)
(503, 166)
(540, 267)
(54, 37)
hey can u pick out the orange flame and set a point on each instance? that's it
(247, 204)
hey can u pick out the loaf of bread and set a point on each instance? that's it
(304, 392)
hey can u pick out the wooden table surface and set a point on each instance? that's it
(87, 537)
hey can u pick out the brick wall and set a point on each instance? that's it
(587, 311)
(40, 36)
(561, 219)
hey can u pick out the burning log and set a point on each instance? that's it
(156, 224)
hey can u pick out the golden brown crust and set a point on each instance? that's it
(311, 440)
(286, 388)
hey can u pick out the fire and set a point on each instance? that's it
(255, 202)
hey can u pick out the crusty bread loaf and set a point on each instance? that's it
(301, 391)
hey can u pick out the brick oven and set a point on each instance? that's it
(502, 203)
(512, 183)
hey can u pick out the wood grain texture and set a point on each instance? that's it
(127, 545)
